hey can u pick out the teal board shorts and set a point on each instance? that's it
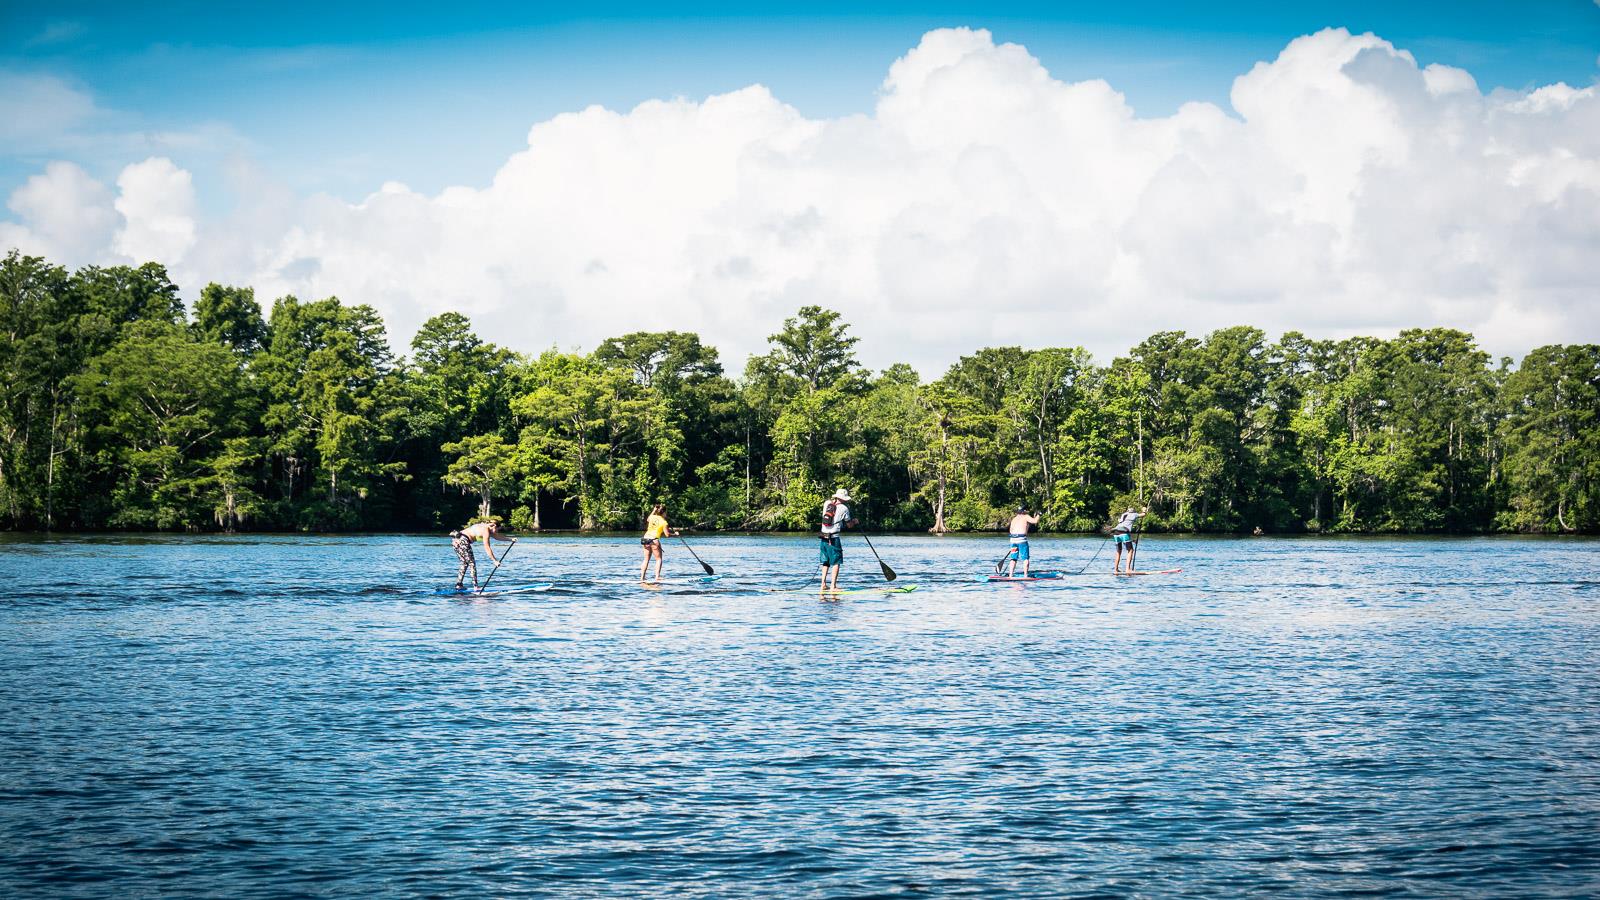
(1123, 537)
(832, 552)
(1019, 550)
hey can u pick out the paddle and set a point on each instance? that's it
(709, 570)
(888, 573)
(1094, 557)
(503, 554)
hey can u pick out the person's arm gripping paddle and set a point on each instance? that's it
(1133, 552)
(503, 554)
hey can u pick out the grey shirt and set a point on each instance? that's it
(841, 515)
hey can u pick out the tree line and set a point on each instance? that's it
(120, 409)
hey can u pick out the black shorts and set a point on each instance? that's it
(649, 542)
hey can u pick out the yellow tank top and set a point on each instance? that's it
(657, 527)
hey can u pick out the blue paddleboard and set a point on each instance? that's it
(496, 591)
(1036, 576)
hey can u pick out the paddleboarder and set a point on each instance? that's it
(1019, 542)
(656, 528)
(1122, 533)
(835, 516)
(462, 542)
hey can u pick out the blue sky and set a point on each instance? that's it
(1438, 173)
(340, 97)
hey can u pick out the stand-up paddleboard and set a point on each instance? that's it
(670, 582)
(886, 589)
(1161, 572)
(497, 592)
(1035, 576)
(688, 579)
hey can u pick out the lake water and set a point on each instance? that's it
(262, 716)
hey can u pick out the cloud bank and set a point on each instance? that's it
(981, 202)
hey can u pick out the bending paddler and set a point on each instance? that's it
(1019, 542)
(1122, 533)
(835, 516)
(656, 528)
(462, 542)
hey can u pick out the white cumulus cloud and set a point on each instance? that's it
(66, 216)
(157, 204)
(981, 202)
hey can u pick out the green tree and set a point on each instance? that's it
(940, 463)
(1551, 432)
(334, 412)
(484, 464)
(800, 394)
(38, 353)
(236, 471)
(163, 404)
(457, 386)
(231, 316)
(590, 420)
(813, 349)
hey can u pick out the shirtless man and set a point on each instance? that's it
(462, 542)
(1019, 542)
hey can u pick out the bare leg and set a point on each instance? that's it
(644, 565)
(658, 555)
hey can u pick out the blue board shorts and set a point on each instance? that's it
(832, 552)
(1123, 537)
(1019, 550)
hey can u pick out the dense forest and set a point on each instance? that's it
(120, 409)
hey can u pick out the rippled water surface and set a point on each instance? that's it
(260, 716)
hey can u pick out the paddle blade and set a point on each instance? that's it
(707, 566)
(888, 573)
